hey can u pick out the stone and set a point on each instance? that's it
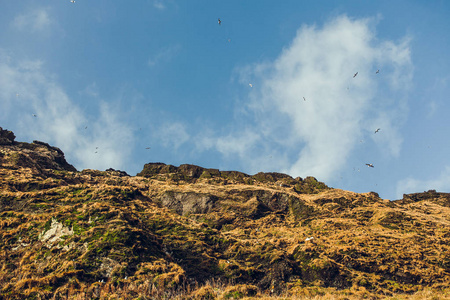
(6, 137)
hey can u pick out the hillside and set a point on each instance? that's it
(189, 232)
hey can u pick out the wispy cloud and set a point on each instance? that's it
(159, 5)
(172, 134)
(33, 20)
(27, 90)
(411, 185)
(163, 55)
(308, 110)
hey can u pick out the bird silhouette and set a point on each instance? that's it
(369, 165)
(378, 129)
(219, 21)
(355, 74)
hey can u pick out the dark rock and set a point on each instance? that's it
(190, 171)
(152, 169)
(300, 210)
(38, 156)
(270, 176)
(234, 175)
(210, 173)
(310, 185)
(51, 158)
(117, 172)
(6, 137)
(430, 195)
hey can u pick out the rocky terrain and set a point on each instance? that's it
(189, 232)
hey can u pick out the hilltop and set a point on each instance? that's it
(189, 232)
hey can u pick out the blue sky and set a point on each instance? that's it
(272, 88)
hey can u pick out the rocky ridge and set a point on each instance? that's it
(104, 234)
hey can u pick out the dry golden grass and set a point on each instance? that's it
(110, 237)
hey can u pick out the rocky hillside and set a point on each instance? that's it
(193, 233)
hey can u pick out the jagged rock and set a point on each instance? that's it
(38, 156)
(430, 195)
(116, 172)
(152, 169)
(271, 177)
(49, 157)
(6, 137)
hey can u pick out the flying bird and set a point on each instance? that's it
(378, 129)
(309, 239)
(147, 148)
(250, 85)
(34, 115)
(355, 74)
(72, 1)
(369, 165)
(218, 21)
(304, 99)
(378, 71)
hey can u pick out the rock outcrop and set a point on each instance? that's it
(38, 156)
(6, 137)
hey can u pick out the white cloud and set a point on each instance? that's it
(58, 120)
(316, 136)
(33, 21)
(411, 185)
(110, 141)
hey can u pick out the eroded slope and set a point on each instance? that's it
(64, 232)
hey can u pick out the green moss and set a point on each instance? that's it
(14, 157)
(233, 295)
(47, 225)
(299, 209)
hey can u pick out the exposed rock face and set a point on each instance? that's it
(192, 173)
(116, 172)
(94, 232)
(188, 203)
(431, 195)
(54, 232)
(38, 156)
(6, 137)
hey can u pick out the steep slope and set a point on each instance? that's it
(173, 229)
